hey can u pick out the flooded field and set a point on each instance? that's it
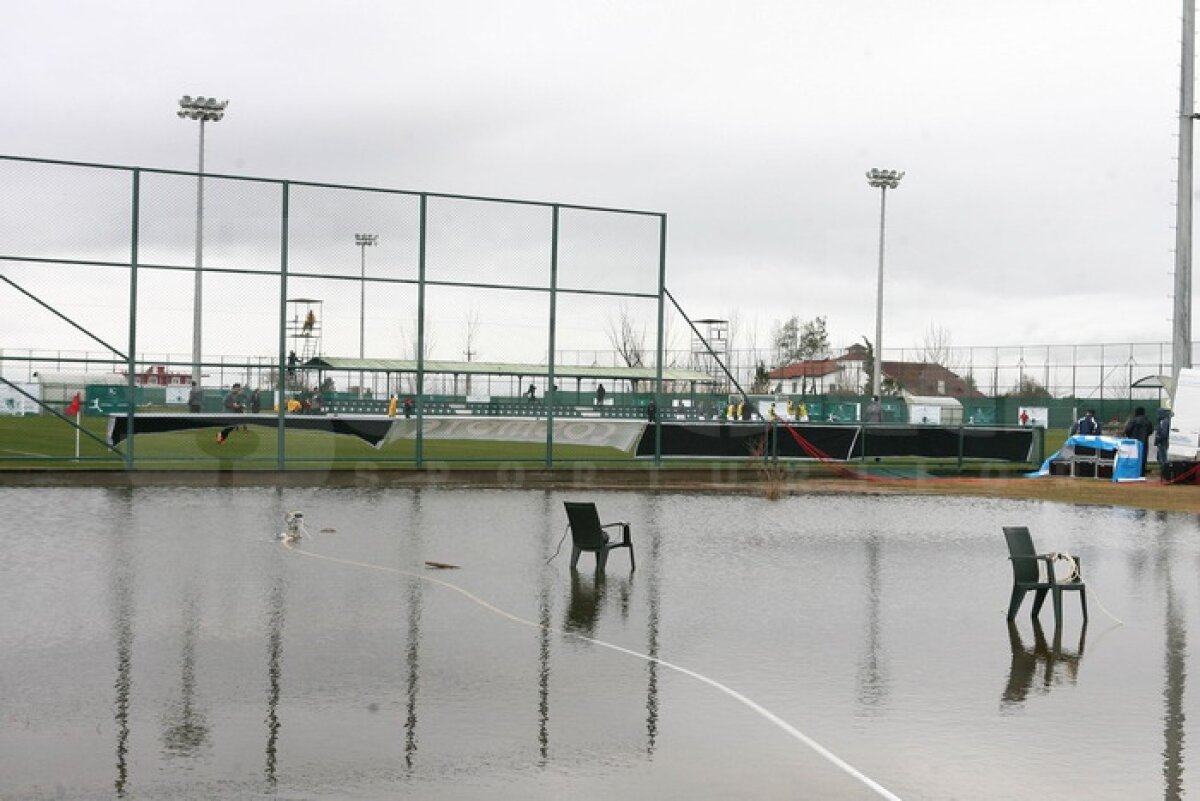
(163, 643)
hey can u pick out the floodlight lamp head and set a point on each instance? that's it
(205, 109)
(884, 179)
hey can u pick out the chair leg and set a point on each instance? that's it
(1014, 603)
(632, 563)
(601, 559)
(1058, 613)
(1083, 603)
(575, 556)
(1039, 598)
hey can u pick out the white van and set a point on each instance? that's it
(1184, 445)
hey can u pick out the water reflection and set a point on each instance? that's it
(583, 605)
(543, 711)
(654, 615)
(412, 657)
(185, 727)
(277, 608)
(121, 588)
(544, 622)
(872, 669)
(1176, 677)
(412, 646)
(1052, 662)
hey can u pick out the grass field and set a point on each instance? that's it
(41, 449)
(48, 442)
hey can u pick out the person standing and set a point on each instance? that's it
(874, 413)
(233, 405)
(600, 395)
(1087, 425)
(195, 399)
(1162, 438)
(1139, 428)
(233, 400)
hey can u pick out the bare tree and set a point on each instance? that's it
(627, 339)
(671, 349)
(937, 347)
(472, 338)
(408, 347)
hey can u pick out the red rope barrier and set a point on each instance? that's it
(825, 458)
(1191, 472)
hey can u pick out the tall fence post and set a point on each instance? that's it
(422, 243)
(551, 395)
(281, 360)
(131, 358)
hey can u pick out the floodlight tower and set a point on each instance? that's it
(363, 241)
(204, 109)
(882, 180)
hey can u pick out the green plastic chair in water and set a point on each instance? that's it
(588, 534)
(1027, 575)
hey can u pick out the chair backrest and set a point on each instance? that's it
(1020, 543)
(585, 524)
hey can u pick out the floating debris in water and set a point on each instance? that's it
(295, 527)
(328, 530)
(441, 566)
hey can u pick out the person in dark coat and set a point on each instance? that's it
(232, 404)
(1139, 428)
(1162, 437)
(195, 399)
(1087, 425)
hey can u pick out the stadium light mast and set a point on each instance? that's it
(1181, 328)
(363, 241)
(204, 109)
(882, 180)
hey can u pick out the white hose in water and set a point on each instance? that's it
(828, 755)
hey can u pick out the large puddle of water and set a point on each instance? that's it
(161, 643)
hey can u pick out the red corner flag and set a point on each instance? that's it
(73, 409)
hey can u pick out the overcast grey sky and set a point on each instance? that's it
(1039, 137)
